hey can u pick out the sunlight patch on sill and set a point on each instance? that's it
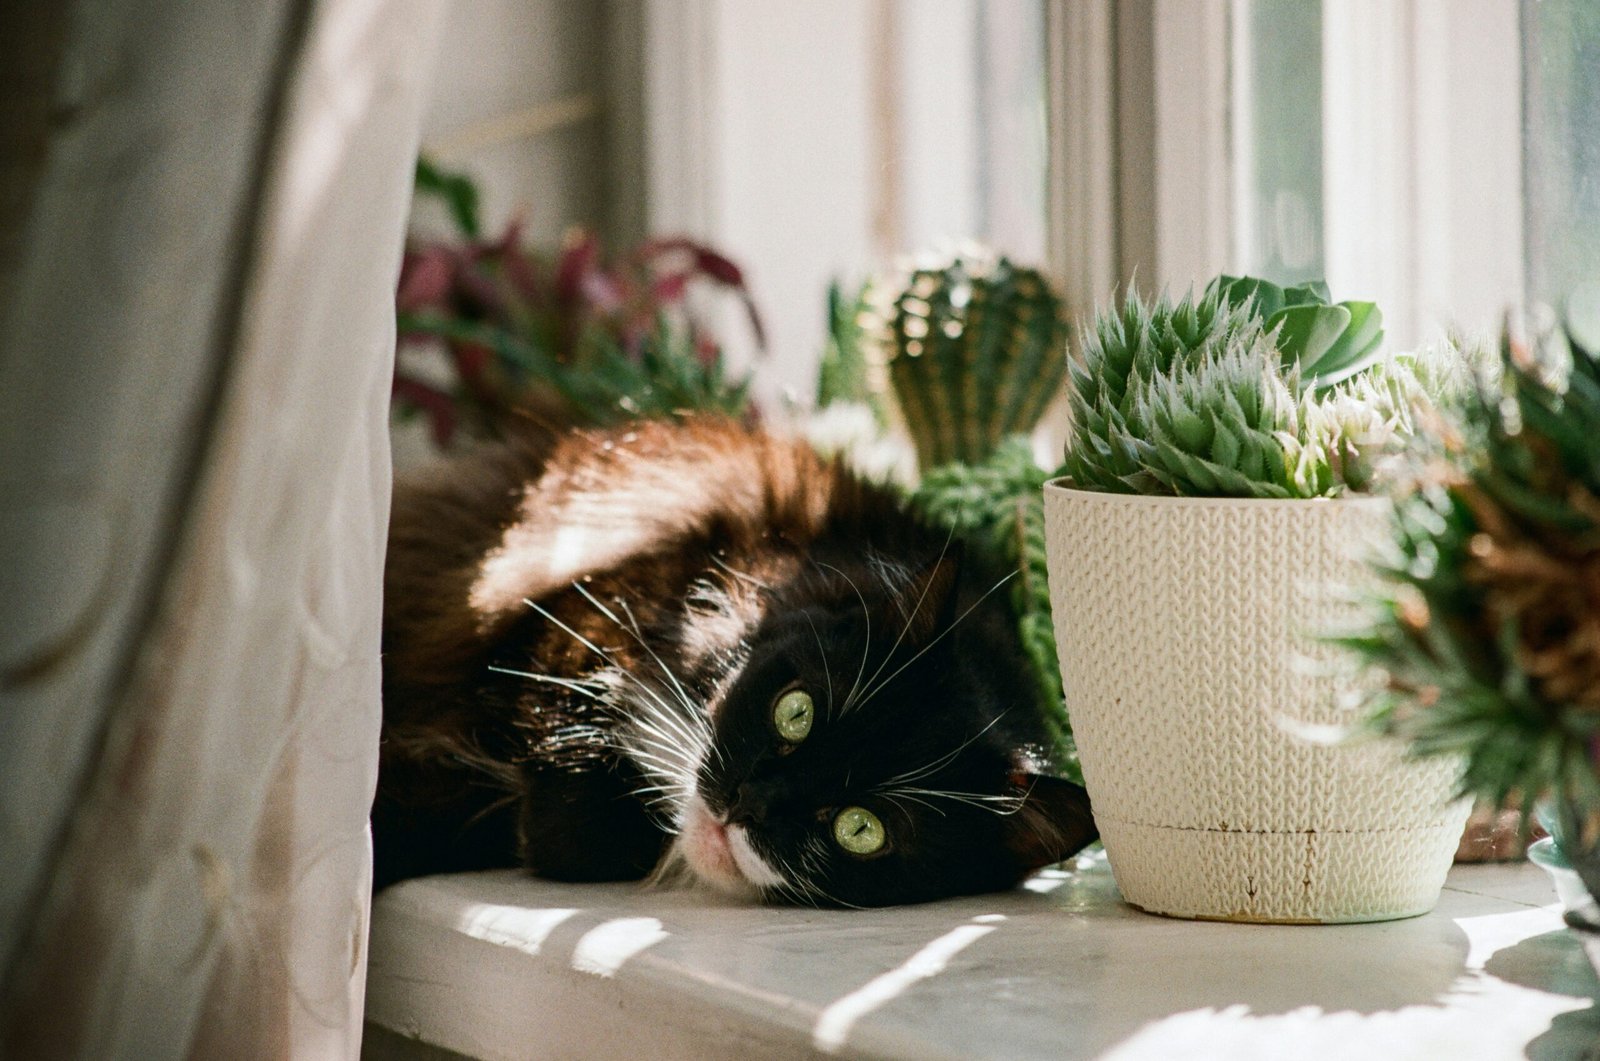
(1488, 934)
(835, 1021)
(518, 927)
(607, 947)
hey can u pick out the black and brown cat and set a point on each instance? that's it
(693, 648)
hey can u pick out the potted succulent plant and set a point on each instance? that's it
(1486, 631)
(1211, 520)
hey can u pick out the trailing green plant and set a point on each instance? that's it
(1485, 637)
(1247, 391)
(972, 347)
(569, 335)
(998, 504)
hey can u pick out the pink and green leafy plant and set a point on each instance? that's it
(571, 335)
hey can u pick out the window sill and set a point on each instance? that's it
(498, 965)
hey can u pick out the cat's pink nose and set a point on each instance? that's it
(714, 834)
(706, 845)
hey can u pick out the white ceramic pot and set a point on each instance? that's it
(1185, 628)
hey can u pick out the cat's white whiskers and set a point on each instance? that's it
(935, 765)
(676, 755)
(927, 584)
(653, 723)
(578, 686)
(697, 710)
(643, 729)
(827, 671)
(813, 855)
(663, 716)
(648, 744)
(666, 786)
(875, 690)
(584, 641)
(659, 720)
(793, 885)
(698, 715)
(741, 575)
(866, 647)
(675, 719)
(694, 722)
(1008, 805)
(638, 635)
(895, 796)
(666, 767)
(672, 869)
(657, 797)
(596, 649)
(669, 759)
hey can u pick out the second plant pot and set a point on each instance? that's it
(1186, 632)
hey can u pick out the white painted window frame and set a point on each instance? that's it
(1142, 168)
(1422, 124)
(1422, 151)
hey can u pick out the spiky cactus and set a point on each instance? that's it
(1209, 397)
(973, 350)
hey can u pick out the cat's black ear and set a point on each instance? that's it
(1054, 823)
(933, 593)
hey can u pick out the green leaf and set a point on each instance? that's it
(1355, 351)
(457, 191)
(1307, 333)
(1191, 429)
(1237, 290)
(1252, 459)
(842, 375)
(1313, 292)
(1225, 446)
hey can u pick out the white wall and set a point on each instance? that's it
(792, 161)
(937, 122)
(541, 61)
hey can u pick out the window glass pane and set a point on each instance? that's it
(1561, 151)
(1278, 141)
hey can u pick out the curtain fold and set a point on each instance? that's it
(194, 378)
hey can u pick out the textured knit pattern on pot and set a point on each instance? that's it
(1187, 629)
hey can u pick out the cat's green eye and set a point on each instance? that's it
(793, 715)
(858, 831)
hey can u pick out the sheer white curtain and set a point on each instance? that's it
(199, 235)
